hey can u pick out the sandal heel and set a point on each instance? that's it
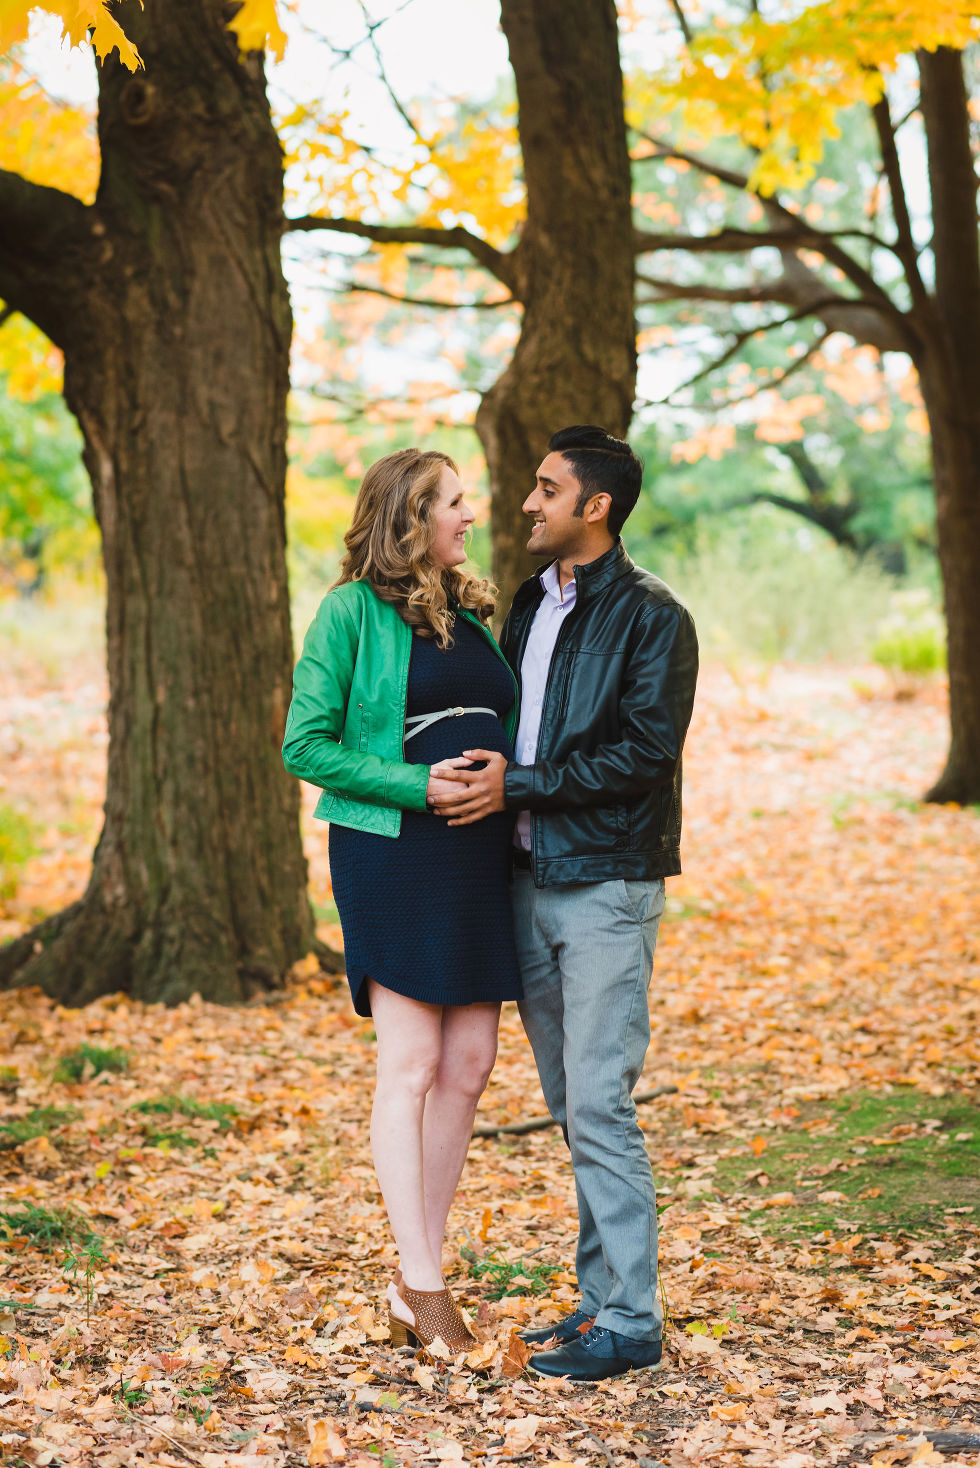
(401, 1334)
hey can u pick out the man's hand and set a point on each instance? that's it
(478, 793)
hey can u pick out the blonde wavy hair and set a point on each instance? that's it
(390, 540)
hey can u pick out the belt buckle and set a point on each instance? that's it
(458, 711)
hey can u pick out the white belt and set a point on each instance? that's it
(422, 721)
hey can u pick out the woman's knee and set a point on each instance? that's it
(413, 1073)
(467, 1070)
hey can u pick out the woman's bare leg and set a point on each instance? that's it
(409, 1052)
(468, 1051)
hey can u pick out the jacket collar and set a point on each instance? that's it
(590, 579)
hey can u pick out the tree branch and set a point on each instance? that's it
(865, 320)
(830, 519)
(498, 262)
(47, 239)
(727, 241)
(740, 181)
(740, 340)
(371, 26)
(794, 234)
(682, 21)
(905, 245)
(430, 301)
(755, 293)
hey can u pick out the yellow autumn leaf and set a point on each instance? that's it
(257, 27)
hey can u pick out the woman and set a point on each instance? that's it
(399, 673)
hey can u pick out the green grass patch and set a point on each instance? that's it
(509, 1276)
(37, 1123)
(17, 846)
(896, 1162)
(73, 1067)
(65, 1232)
(220, 1111)
(48, 1229)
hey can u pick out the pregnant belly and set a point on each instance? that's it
(449, 737)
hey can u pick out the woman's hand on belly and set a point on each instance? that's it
(477, 793)
(441, 789)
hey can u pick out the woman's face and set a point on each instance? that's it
(451, 518)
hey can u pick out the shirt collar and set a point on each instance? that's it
(551, 587)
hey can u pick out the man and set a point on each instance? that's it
(607, 660)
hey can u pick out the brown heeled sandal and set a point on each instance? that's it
(436, 1314)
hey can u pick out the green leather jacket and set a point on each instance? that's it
(346, 725)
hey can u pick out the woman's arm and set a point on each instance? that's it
(321, 688)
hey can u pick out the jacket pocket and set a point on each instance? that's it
(364, 736)
(564, 686)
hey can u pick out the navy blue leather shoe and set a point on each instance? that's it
(596, 1355)
(569, 1328)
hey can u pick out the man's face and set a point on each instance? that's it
(556, 530)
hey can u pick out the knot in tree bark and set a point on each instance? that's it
(138, 101)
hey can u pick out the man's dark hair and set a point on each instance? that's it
(602, 464)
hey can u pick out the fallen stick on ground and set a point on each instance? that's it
(539, 1123)
(943, 1440)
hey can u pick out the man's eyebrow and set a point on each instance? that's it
(543, 479)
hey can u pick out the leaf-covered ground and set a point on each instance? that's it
(194, 1249)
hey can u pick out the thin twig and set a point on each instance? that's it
(540, 1123)
(174, 1442)
(733, 399)
(600, 1444)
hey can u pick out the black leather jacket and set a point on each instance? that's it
(605, 789)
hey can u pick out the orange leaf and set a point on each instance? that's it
(326, 1443)
(516, 1356)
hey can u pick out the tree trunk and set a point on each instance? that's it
(949, 370)
(177, 340)
(575, 361)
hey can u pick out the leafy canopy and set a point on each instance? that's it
(779, 82)
(85, 22)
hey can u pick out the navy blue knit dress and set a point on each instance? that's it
(428, 914)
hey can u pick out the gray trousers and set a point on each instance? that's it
(586, 955)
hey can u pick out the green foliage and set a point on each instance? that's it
(17, 846)
(911, 639)
(509, 1276)
(60, 1229)
(73, 1067)
(37, 1123)
(130, 1395)
(220, 1111)
(85, 1255)
(759, 591)
(46, 1228)
(46, 519)
(851, 469)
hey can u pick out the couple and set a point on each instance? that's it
(428, 740)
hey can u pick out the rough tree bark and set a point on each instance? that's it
(575, 361)
(949, 372)
(168, 299)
